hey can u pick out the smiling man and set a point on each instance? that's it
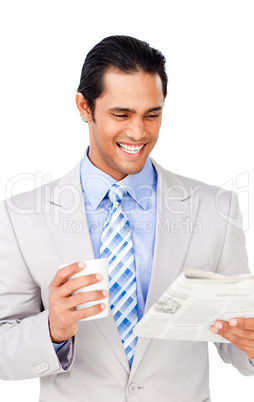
(126, 121)
(131, 211)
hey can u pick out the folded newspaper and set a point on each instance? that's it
(194, 302)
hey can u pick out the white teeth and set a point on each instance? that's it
(131, 149)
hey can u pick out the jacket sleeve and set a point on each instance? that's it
(234, 261)
(26, 350)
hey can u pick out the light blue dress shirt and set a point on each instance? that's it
(138, 204)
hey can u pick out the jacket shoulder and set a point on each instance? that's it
(29, 199)
(193, 187)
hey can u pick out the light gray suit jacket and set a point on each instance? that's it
(197, 227)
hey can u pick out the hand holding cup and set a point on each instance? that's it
(74, 294)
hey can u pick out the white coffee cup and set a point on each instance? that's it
(95, 266)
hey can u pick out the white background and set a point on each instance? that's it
(208, 118)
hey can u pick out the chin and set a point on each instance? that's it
(134, 170)
(124, 169)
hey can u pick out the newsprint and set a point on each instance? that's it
(192, 304)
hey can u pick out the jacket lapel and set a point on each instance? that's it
(66, 218)
(176, 215)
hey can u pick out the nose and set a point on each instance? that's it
(136, 129)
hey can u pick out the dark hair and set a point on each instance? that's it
(124, 53)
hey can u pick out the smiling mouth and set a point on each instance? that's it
(130, 149)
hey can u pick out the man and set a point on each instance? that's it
(121, 94)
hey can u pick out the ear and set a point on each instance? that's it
(83, 107)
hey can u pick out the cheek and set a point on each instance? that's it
(103, 134)
(153, 128)
(107, 130)
(154, 134)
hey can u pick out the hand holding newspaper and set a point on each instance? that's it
(194, 302)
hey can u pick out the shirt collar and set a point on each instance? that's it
(95, 183)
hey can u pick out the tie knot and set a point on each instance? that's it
(116, 193)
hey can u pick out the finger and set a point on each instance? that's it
(84, 297)
(71, 285)
(64, 273)
(245, 323)
(239, 326)
(88, 311)
(241, 338)
(233, 334)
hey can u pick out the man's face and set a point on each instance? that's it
(126, 124)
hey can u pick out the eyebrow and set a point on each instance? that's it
(124, 109)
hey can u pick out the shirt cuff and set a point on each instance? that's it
(58, 346)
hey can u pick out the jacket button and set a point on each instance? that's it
(40, 368)
(133, 389)
(44, 366)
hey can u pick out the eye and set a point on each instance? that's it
(120, 116)
(152, 116)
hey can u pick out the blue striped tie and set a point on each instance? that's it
(116, 245)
